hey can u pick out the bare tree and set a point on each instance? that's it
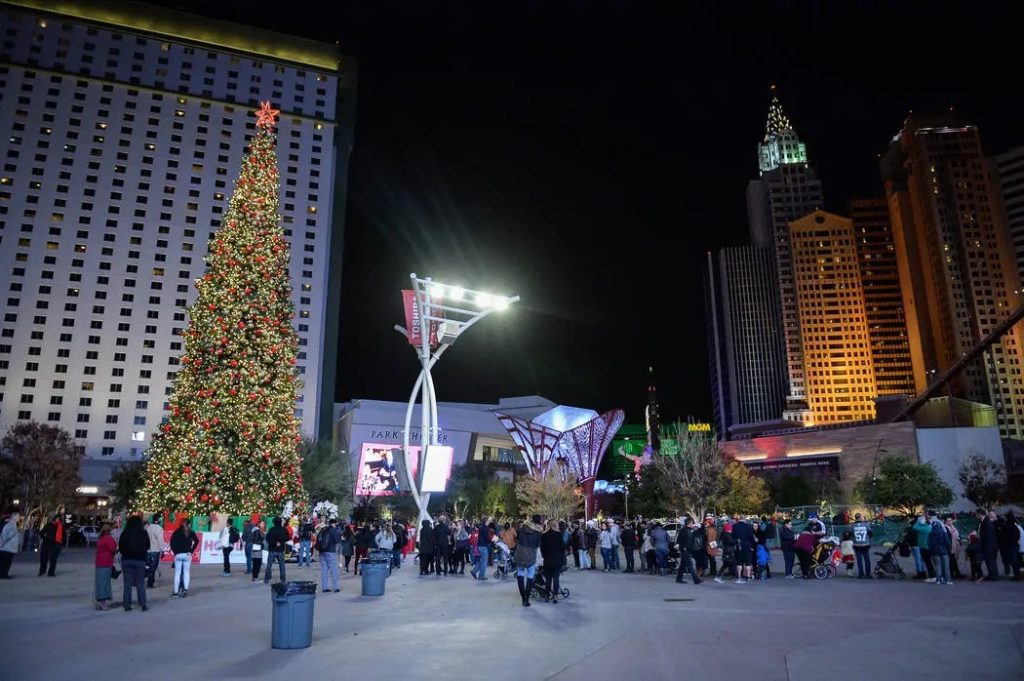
(695, 477)
(549, 497)
(44, 466)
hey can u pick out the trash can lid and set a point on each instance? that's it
(292, 588)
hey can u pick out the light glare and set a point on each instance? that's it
(484, 299)
(437, 291)
(457, 293)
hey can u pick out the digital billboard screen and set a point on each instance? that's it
(378, 473)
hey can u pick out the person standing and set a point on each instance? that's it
(687, 564)
(629, 545)
(711, 544)
(247, 545)
(442, 546)
(348, 539)
(922, 529)
(787, 542)
(386, 539)
(401, 539)
(327, 545)
(743, 533)
(660, 539)
(183, 544)
(605, 541)
(525, 557)
(53, 541)
(305, 542)
(955, 548)
(277, 537)
(988, 543)
(616, 536)
(9, 542)
(106, 549)
(1009, 545)
(155, 533)
(552, 550)
(582, 541)
(256, 539)
(483, 547)
(426, 548)
(592, 543)
(938, 549)
(133, 546)
(862, 546)
(364, 539)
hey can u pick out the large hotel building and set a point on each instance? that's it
(124, 128)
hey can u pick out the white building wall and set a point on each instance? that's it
(119, 154)
(945, 448)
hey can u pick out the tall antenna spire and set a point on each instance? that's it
(780, 146)
(778, 122)
(653, 420)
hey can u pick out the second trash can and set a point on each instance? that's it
(375, 574)
(292, 617)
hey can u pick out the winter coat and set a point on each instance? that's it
(1009, 536)
(9, 538)
(277, 537)
(483, 536)
(605, 539)
(106, 547)
(552, 547)
(256, 538)
(923, 529)
(134, 542)
(347, 540)
(743, 533)
(528, 543)
(53, 533)
(182, 544)
(659, 537)
(787, 540)
(386, 540)
(582, 544)
(509, 537)
(711, 541)
(684, 539)
(938, 539)
(987, 536)
(426, 539)
(805, 542)
(442, 538)
(628, 539)
(156, 537)
(328, 539)
(364, 538)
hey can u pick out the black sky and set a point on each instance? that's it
(586, 155)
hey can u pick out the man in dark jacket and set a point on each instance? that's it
(442, 546)
(989, 541)
(743, 533)
(426, 548)
(53, 540)
(687, 564)
(327, 542)
(401, 539)
(133, 546)
(552, 550)
(277, 537)
(306, 532)
(483, 547)
(787, 542)
(628, 545)
(525, 556)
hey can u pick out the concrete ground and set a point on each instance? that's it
(614, 626)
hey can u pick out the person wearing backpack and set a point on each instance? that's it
(305, 542)
(938, 548)
(327, 541)
(226, 540)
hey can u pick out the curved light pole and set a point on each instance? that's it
(444, 312)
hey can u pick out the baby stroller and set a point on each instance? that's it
(888, 565)
(540, 588)
(503, 562)
(826, 557)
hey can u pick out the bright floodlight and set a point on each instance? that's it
(437, 291)
(501, 303)
(484, 299)
(456, 292)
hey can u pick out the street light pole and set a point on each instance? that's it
(456, 309)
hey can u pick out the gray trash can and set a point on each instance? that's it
(375, 574)
(292, 619)
(382, 554)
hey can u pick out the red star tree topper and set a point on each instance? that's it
(230, 441)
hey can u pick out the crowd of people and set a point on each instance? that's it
(737, 548)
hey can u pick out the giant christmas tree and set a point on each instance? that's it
(230, 441)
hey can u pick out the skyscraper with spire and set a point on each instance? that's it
(787, 189)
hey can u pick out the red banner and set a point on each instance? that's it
(412, 320)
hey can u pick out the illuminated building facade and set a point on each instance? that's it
(883, 300)
(1011, 178)
(748, 372)
(957, 267)
(126, 128)
(838, 368)
(788, 188)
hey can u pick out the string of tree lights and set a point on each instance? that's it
(229, 443)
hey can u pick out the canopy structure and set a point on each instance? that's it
(571, 435)
(537, 443)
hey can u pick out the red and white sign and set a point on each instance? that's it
(412, 320)
(208, 551)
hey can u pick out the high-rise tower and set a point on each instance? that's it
(125, 126)
(957, 269)
(788, 188)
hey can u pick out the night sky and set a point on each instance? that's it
(586, 155)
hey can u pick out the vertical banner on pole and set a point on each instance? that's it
(412, 317)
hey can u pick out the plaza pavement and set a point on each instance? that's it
(614, 626)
